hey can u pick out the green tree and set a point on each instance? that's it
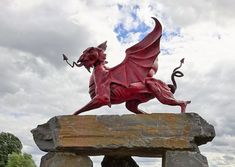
(8, 144)
(20, 160)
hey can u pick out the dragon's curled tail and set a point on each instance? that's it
(175, 73)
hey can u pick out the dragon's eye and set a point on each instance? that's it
(92, 56)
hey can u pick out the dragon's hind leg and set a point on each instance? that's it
(132, 105)
(163, 93)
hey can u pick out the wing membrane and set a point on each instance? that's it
(139, 59)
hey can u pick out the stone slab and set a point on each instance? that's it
(128, 135)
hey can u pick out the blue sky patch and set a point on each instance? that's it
(167, 35)
(120, 6)
(134, 12)
(166, 51)
(142, 29)
(123, 33)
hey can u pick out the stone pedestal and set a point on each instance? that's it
(58, 159)
(175, 137)
(184, 158)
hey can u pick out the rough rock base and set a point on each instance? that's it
(184, 158)
(174, 137)
(65, 160)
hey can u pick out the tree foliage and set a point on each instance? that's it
(20, 160)
(8, 144)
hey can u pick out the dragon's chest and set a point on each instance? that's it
(92, 87)
(116, 91)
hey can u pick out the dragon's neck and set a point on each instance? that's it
(98, 65)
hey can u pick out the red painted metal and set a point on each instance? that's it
(131, 81)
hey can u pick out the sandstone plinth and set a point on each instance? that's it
(126, 135)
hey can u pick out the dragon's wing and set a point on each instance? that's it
(139, 59)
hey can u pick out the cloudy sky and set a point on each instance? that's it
(37, 85)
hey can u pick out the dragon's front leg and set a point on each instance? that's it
(96, 102)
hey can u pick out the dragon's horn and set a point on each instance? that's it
(103, 46)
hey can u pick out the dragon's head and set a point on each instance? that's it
(93, 56)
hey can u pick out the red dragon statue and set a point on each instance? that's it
(131, 81)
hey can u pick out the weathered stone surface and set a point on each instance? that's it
(118, 161)
(128, 135)
(65, 159)
(184, 159)
(43, 137)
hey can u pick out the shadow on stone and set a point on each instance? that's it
(118, 161)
